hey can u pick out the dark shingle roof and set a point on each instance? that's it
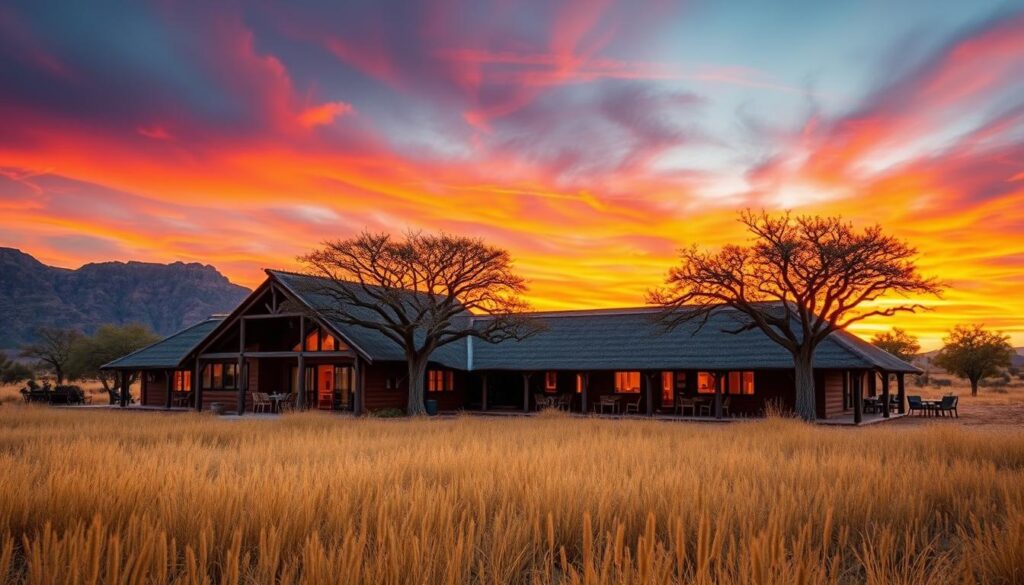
(629, 339)
(376, 346)
(616, 339)
(169, 352)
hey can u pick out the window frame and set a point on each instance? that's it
(439, 380)
(182, 381)
(212, 380)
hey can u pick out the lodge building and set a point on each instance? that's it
(281, 340)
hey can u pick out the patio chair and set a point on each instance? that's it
(948, 404)
(287, 403)
(683, 403)
(633, 406)
(182, 399)
(565, 402)
(915, 403)
(260, 402)
(540, 401)
(708, 406)
(611, 402)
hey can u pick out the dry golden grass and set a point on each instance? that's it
(113, 497)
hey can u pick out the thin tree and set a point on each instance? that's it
(972, 352)
(52, 349)
(799, 280)
(420, 291)
(898, 342)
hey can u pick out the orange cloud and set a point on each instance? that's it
(592, 195)
(323, 114)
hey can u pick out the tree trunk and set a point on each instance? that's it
(974, 386)
(417, 376)
(804, 386)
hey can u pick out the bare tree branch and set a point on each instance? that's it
(799, 280)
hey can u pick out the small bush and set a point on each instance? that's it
(387, 413)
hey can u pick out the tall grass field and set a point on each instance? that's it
(94, 496)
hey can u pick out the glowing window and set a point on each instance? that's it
(627, 382)
(550, 381)
(182, 381)
(667, 388)
(440, 381)
(706, 383)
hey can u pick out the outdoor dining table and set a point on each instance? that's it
(612, 401)
(276, 400)
(931, 407)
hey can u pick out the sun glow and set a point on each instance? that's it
(590, 167)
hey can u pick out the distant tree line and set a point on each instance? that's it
(69, 354)
(969, 351)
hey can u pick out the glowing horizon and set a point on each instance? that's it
(590, 139)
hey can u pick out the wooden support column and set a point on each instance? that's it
(242, 370)
(901, 394)
(123, 377)
(858, 398)
(872, 383)
(197, 386)
(170, 387)
(359, 400)
(300, 382)
(649, 393)
(483, 392)
(885, 394)
(585, 380)
(526, 392)
(719, 382)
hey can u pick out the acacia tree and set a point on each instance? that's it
(799, 280)
(897, 342)
(88, 354)
(419, 291)
(52, 349)
(973, 353)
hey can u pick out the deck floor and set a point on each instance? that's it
(846, 420)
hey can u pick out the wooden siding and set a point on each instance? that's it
(378, 395)
(153, 388)
(832, 394)
(229, 398)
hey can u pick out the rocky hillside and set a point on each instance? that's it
(166, 297)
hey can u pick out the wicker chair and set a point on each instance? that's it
(261, 402)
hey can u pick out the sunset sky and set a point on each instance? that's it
(592, 139)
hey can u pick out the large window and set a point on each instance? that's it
(550, 381)
(735, 383)
(706, 382)
(320, 340)
(668, 395)
(627, 382)
(220, 376)
(182, 381)
(741, 383)
(440, 380)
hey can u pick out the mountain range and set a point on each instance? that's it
(165, 297)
